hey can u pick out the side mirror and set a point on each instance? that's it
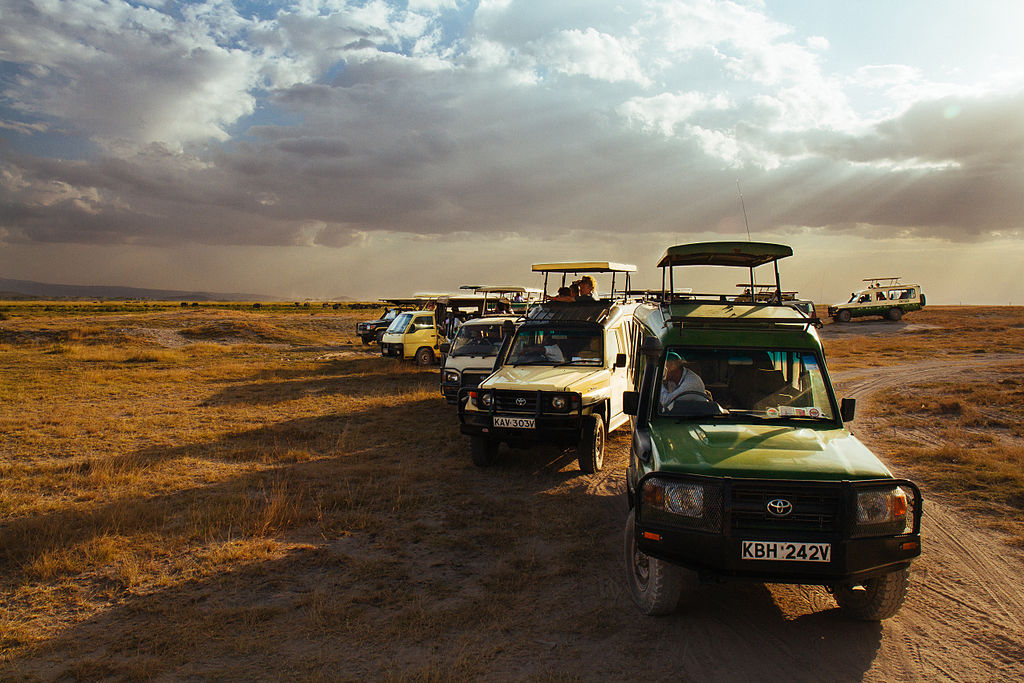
(651, 347)
(445, 347)
(847, 409)
(630, 402)
(620, 360)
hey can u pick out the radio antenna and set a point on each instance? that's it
(745, 223)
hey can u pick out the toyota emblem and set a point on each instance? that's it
(779, 507)
(520, 402)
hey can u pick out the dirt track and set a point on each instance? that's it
(963, 619)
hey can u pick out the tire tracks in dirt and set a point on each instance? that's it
(964, 617)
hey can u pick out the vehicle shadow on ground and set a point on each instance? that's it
(872, 328)
(353, 378)
(306, 454)
(737, 631)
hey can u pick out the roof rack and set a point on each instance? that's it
(762, 293)
(742, 321)
(881, 281)
(569, 311)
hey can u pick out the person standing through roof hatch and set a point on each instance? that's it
(586, 295)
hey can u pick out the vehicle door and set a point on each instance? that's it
(619, 378)
(422, 332)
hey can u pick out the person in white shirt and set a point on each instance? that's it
(678, 380)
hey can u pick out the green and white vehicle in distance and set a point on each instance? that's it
(884, 296)
(741, 467)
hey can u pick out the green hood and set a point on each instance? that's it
(763, 451)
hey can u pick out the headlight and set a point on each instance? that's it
(486, 399)
(685, 503)
(882, 511)
(451, 377)
(684, 499)
(559, 403)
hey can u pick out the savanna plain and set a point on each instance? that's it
(236, 493)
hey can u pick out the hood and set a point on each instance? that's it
(772, 451)
(472, 363)
(548, 378)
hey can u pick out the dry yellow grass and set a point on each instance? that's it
(232, 494)
(936, 331)
(277, 482)
(964, 440)
(961, 439)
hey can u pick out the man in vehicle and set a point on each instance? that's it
(680, 380)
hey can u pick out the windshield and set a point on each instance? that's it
(399, 324)
(390, 315)
(477, 340)
(771, 385)
(547, 346)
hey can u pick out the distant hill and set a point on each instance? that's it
(40, 290)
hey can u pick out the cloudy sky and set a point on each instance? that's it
(318, 148)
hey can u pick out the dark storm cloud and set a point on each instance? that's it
(539, 121)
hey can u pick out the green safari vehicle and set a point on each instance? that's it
(740, 466)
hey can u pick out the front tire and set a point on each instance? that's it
(893, 314)
(380, 336)
(654, 584)
(590, 451)
(878, 598)
(368, 339)
(843, 316)
(424, 356)
(484, 451)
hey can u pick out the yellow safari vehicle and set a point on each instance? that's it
(412, 335)
(418, 335)
(560, 373)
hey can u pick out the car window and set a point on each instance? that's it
(720, 382)
(399, 324)
(477, 340)
(551, 346)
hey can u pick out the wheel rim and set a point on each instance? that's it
(641, 567)
(599, 446)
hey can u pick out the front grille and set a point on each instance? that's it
(515, 401)
(815, 507)
(472, 379)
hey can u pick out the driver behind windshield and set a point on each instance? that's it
(680, 379)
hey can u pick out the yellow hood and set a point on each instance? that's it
(547, 378)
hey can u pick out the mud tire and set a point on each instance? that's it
(380, 336)
(424, 356)
(894, 314)
(483, 451)
(843, 316)
(879, 598)
(590, 450)
(368, 339)
(654, 584)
